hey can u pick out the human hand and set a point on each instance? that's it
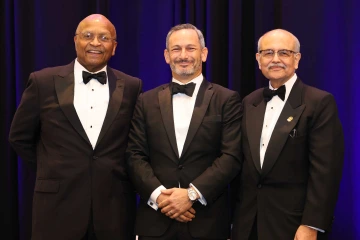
(176, 203)
(305, 233)
(187, 216)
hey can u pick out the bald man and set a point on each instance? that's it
(72, 126)
(293, 148)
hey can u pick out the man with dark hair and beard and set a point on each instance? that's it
(184, 147)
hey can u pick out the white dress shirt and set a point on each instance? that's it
(91, 102)
(273, 110)
(183, 107)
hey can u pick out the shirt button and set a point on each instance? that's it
(92, 89)
(90, 126)
(151, 203)
(259, 185)
(95, 157)
(180, 167)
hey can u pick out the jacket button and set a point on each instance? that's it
(259, 185)
(95, 157)
(180, 167)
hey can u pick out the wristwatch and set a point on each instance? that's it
(192, 194)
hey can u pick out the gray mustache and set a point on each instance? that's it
(276, 65)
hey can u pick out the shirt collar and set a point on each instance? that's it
(78, 69)
(198, 80)
(288, 85)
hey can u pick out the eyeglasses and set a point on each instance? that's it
(89, 36)
(282, 53)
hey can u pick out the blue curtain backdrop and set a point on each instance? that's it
(39, 33)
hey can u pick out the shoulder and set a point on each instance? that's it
(153, 93)
(223, 92)
(123, 75)
(50, 71)
(314, 94)
(255, 96)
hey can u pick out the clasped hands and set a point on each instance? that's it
(176, 204)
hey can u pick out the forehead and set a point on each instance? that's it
(95, 25)
(277, 40)
(184, 37)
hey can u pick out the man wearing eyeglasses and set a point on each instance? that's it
(293, 147)
(72, 126)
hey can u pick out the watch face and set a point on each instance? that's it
(192, 195)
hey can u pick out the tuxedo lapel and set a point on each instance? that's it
(288, 119)
(165, 102)
(201, 105)
(254, 121)
(64, 87)
(116, 88)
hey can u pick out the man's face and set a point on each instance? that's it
(184, 54)
(94, 53)
(280, 67)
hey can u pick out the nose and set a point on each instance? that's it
(95, 41)
(276, 57)
(183, 53)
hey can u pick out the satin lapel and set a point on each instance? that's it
(254, 122)
(116, 88)
(201, 105)
(165, 102)
(288, 119)
(64, 87)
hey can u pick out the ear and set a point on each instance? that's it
(167, 56)
(257, 56)
(204, 53)
(114, 48)
(75, 38)
(297, 60)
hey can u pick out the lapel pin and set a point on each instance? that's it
(290, 119)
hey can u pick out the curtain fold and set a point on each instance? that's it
(39, 33)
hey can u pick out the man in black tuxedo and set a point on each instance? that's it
(72, 125)
(184, 147)
(293, 146)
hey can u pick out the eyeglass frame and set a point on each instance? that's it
(81, 35)
(276, 52)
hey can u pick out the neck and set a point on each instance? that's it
(185, 79)
(276, 83)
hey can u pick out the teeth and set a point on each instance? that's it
(95, 51)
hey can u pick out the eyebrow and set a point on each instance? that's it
(178, 46)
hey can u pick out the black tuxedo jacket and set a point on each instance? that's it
(300, 177)
(210, 158)
(73, 180)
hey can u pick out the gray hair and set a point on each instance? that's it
(297, 42)
(186, 26)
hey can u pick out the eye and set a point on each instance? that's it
(87, 35)
(191, 49)
(268, 53)
(284, 53)
(104, 38)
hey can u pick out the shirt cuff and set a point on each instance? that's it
(202, 200)
(317, 229)
(154, 195)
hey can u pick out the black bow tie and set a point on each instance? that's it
(100, 76)
(268, 93)
(187, 89)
